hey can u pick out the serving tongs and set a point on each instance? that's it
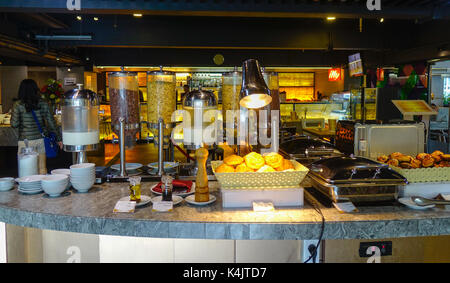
(421, 201)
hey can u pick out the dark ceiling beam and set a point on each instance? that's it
(238, 33)
(47, 20)
(249, 8)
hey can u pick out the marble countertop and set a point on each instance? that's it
(93, 213)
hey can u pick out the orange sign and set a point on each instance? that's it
(334, 75)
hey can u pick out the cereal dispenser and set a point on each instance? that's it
(125, 119)
(161, 93)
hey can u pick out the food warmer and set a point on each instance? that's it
(306, 149)
(355, 179)
(373, 139)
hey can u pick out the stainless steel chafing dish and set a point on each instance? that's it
(355, 179)
(306, 150)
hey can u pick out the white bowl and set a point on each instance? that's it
(82, 166)
(55, 178)
(82, 187)
(60, 171)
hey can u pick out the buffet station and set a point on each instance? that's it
(254, 162)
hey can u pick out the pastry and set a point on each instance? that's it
(233, 160)
(224, 168)
(383, 158)
(266, 168)
(437, 158)
(416, 163)
(254, 160)
(243, 168)
(273, 159)
(422, 156)
(395, 155)
(437, 153)
(406, 165)
(286, 165)
(404, 158)
(446, 157)
(428, 161)
(393, 162)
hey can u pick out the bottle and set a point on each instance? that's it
(135, 188)
(167, 187)
(28, 161)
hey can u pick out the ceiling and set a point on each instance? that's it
(191, 32)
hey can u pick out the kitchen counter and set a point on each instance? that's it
(92, 213)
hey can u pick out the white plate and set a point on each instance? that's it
(174, 192)
(144, 200)
(409, 203)
(191, 200)
(30, 192)
(167, 165)
(176, 199)
(128, 166)
(30, 179)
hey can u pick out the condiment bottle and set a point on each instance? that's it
(135, 188)
(167, 187)
(28, 161)
(201, 180)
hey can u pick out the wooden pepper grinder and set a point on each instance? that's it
(201, 181)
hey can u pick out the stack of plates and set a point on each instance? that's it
(30, 184)
(6, 184)
(62, 172)
(54, 184)
(82, 176)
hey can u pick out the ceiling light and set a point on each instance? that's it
(79, 18)
(331, 18)
(137, 15)
(381, 20)
(95, 18)
(68, 69)
(57, 58)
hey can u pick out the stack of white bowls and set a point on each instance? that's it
(55, 184)
(30, 184)
(82, 176)
(6, 184)
(62, 172)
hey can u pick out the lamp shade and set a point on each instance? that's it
(254, 91)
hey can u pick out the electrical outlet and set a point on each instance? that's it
(307, 245)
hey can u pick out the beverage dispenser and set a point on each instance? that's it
(80, 122)
(125, 119)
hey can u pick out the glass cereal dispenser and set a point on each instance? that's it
(125, 118)
(231, 87)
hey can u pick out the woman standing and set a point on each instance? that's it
(29, 100)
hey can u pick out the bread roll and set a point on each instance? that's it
(225, 168)
(243, 168)
(393, 162)
(254, 160)
(273, 159)
(266, 168)
(233, 160)
(383, 158)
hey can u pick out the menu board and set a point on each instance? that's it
(414, 107)
(355, 66)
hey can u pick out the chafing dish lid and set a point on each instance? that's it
(353, 169)
(302, 145)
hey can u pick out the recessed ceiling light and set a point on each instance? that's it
(79, 18)
(331, 18)
(381, 20)
(95, 18)
(137, 15)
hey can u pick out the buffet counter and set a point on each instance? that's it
(92, 213)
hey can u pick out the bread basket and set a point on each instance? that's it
(259, 180)
(424, 175)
